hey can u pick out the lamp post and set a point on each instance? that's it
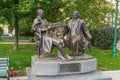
(114, 50)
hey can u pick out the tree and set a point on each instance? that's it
(16, 22)
(92, 11)
(28, 11)
(22, 12)
(1, 31)
(10, 13)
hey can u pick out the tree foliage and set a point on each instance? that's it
(21, 13)
(28, 11)
(92, 11)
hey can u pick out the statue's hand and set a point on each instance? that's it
(73, 39)
(50, 26)
(58, 34)
(39, 38)
(57, 24)
(89, 35)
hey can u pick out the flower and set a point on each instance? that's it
(12, 73)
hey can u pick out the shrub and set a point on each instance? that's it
(103, 38)
(32, 39)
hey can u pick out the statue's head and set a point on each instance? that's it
(75, 15)
(40, 13)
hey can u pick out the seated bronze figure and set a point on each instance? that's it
(74, 35)
(78, 36)
(45, 41)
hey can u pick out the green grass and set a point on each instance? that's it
(105, 59)
(21, 59)
(18, 59)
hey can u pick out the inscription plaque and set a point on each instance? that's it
(73, 67)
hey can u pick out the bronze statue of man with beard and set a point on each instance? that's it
(45, 42)
(78, 36)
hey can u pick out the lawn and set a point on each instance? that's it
(21, 59)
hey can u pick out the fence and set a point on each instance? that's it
(11, 38)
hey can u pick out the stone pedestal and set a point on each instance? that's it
(60, 67)
(52, 69)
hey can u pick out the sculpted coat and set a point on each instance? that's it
(78, 35)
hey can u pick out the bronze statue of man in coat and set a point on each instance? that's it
(45, 42)
(78, 37)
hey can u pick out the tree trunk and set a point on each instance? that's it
(16, 22)
(16, 32)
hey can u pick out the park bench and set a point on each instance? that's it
(4, 68)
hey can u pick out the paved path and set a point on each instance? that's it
(19, 43)
(16, 78)
(118, 45)
(114, 74)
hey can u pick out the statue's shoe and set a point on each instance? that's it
(69, 57)
(61, 57)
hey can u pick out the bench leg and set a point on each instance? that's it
(8, 78)
(8, 75)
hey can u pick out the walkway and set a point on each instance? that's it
(19, 43)
(114, 74)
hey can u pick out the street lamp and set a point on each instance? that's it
(114, 50)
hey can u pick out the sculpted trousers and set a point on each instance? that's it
(72, 43)
(59, 44)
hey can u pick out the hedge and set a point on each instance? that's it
(103, 38)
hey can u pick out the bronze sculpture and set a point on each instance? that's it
(78, 35)
(45, 42)
(74, 35)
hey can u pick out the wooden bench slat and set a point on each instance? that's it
(3, 65)
(1, 62)
(3, 59)
(3, 75)
(3, 68)
(3, 71)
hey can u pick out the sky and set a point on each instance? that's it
(114, 2)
